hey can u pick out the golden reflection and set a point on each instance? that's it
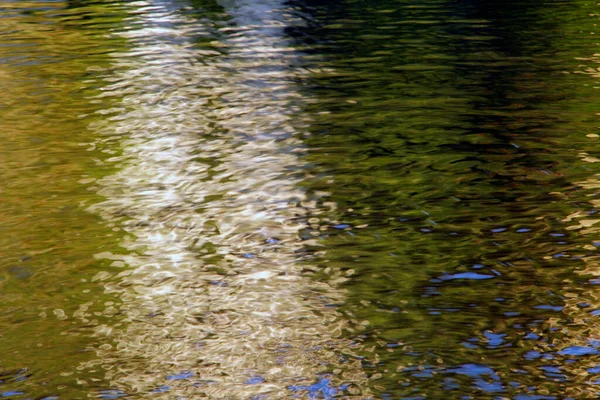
(575, 349)
(49, 239)
(214, 303)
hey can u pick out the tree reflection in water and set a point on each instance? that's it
(207, 137)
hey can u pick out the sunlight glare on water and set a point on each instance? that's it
(207, 145)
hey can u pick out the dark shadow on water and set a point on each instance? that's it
(451, 139)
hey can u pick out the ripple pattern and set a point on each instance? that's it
(207, 143)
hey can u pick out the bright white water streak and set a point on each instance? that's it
(207, 145)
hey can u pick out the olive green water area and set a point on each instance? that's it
(246, 199)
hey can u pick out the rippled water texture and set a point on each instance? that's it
(246, 199)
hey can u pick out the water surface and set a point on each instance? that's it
(246, 199)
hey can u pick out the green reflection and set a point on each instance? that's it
(450, 137)
(48, 68)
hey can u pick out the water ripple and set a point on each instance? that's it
(207, 193)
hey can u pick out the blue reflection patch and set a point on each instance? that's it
(11, 393)
(465, 275)
(111, 394)
(255, 380)
(473, 370)
(548, 307)
(532, 355)
(494, 339)
(594, 370)
(321, 388)
(594, 342)
(489, 386)
(578, 351)
(531, 336)
(181, 376)
(478, 371)
(341, 226)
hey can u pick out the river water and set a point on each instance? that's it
(270, 199)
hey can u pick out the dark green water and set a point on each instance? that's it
(269, 200)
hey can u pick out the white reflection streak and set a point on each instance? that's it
(205, 186)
